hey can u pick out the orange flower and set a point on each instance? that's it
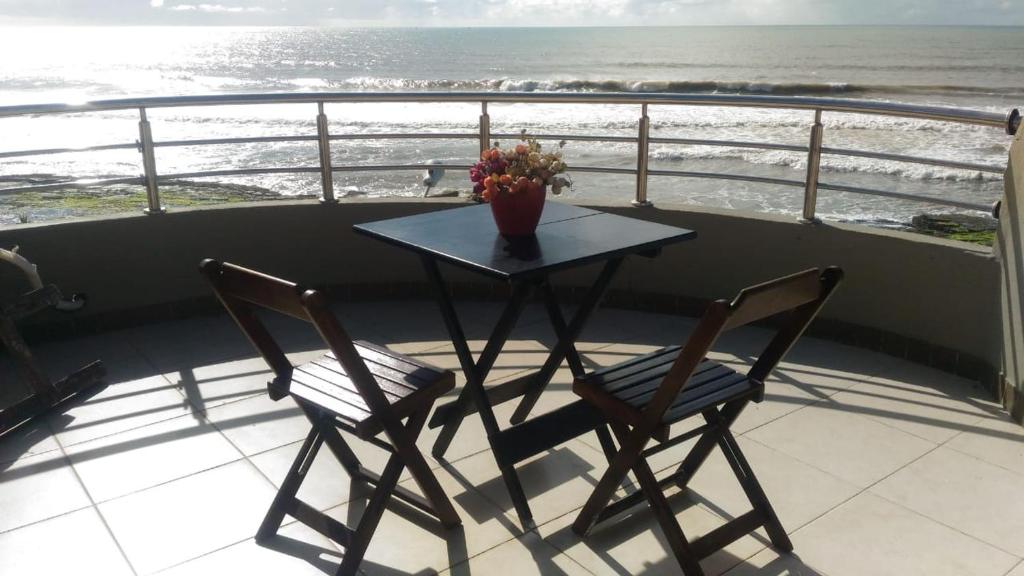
(521, 149)
(495, 153)
(505, 179)
(486, 195)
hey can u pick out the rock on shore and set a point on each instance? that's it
(965, 227)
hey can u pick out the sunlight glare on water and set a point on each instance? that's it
(959, 67)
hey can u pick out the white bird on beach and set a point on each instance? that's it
(431, 176)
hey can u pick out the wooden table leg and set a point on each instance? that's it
(567, 335)
(476, 374)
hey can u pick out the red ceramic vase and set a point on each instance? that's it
(518, 214)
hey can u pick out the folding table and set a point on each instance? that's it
(567, 237)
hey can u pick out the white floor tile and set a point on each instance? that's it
(30, 438)
(854, 448)
(184, 519)
(958, 490)
(119, 407)
(259, 424)
(295, 551)
(215, 384)
(38, 487)
(76, 543)
(996, 440)
(527, 554)
(123, 463)
(870, 535)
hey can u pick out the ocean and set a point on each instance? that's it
(969, 67)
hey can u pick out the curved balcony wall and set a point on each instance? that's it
(927, 299)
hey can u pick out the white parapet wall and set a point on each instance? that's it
(1010, 253)
(927, 299)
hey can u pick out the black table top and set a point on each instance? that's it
(567, 236)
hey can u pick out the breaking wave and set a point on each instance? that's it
(831, 164)
(667, 86)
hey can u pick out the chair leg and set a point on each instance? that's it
(341, 450)
(758, 499)
(607, 444)
(406, 448)
(290, 486)
(630, 446)
(666, 520)
(609, 449)
(722, 420)
(371, 517)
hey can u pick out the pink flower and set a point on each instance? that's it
(476, 173)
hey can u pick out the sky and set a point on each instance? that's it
(510, 12)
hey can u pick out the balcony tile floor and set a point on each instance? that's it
(875, 465)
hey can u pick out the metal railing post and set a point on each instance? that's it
(324, 144)
(813, 168)
(145, 146)
(642, 154)
(485, 127)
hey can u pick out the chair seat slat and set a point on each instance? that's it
(711, 381)
(724, 394)
(707, 377)
(331, 389)
(387, 379)
(637, 383)
(320, 378)
(382, 355)
(695, 396)
(412, 372)
(341, 409)
(607, 376)
(650, 372)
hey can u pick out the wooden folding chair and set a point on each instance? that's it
(641, 398)
(358, 387)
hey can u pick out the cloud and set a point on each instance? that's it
(515, 12)
(215, 8)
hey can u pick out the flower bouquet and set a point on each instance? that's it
(515, 183)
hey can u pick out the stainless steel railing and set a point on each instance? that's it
(151, 179)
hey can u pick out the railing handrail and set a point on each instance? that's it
(1010, 122)
(151, 179)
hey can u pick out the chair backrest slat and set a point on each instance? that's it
(774, 297)
(260, 289)
(243, 313)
